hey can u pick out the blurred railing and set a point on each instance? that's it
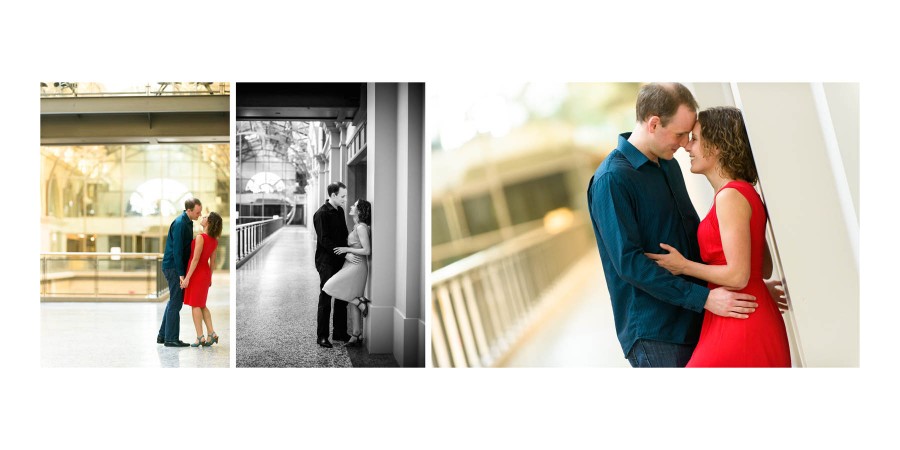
(482, 304)
(252, 235)
(102, 276)
(166, 88)
(357, 142)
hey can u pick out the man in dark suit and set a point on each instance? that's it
(174, 267)
(331, 232)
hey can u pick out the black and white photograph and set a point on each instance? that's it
(329, 206)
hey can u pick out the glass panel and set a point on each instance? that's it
(126, 196)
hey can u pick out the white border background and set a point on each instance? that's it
(354, 40)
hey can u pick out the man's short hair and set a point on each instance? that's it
(333, 188)
(190, 203)
(663, 100)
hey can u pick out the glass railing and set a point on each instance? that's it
(483, 304)
(102, 276)
(52, 89)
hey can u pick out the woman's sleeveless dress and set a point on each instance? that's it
(198, 287)
(761, 339)
(350, 281)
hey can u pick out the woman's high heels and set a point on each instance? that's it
(355, 343)
(213, 339)
(363, 305)
(200, 341)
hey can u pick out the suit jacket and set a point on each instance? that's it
(178, 244)
(331, 232)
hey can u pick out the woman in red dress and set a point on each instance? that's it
(733, 246)
(199, 277)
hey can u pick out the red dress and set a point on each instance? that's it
(761, 339)
(198, 286)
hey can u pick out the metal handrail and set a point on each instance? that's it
(482, 304)
(126, 255)
(251, 236)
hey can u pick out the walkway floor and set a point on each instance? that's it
(580, 331)
(110, 334)
(277, 299)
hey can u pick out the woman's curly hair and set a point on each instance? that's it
(364, 212)
(723, 127)
(214, 225)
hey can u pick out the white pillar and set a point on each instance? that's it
(381, 179)
(337, 162)
(795, 141)
(409, 325)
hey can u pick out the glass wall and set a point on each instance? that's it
(272, 169)
(122, 198)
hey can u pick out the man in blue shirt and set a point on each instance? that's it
(174, 267)
(637, 199)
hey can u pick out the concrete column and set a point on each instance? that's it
(322, 180)
(797, 144)
(381, 178)
(341, 136)
(409, 324)
(425, 242)
(338, 162)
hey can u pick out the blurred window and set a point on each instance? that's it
(480, 214)
(532, 199)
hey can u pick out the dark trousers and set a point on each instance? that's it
(647, 353)
(324, 311)
(171, 323)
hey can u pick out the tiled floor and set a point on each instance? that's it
(110, 334)
(277, 299)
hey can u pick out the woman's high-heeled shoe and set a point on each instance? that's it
(213, 339)
(200, 341)
(363, 305)
(355, 343)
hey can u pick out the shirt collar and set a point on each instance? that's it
(184, 214)
(632, 154)
(330, 206)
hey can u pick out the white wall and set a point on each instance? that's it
(395, 151)
(805, 141)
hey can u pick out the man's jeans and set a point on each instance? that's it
(647, 353)
(171, 323)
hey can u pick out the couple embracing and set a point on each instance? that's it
(187, 265)
(342, 263)
(686, 292)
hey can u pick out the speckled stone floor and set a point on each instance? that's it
(277, 298)
(109, 334)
